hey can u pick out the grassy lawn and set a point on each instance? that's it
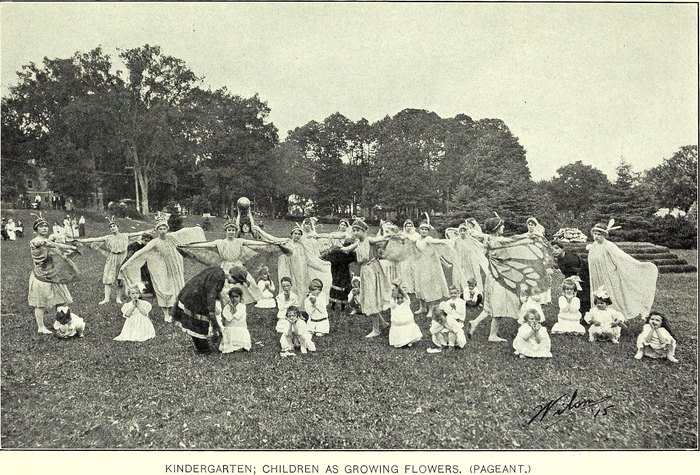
(353, 393)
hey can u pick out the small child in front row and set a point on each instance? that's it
(472, 295)
(656, 339)
(68, 324)
(267, 288)
(530, 301)
(605, 322)
(295, 334)
(138, 326)
(403, 330)
(532, 340)
(232, 319)
(569, 319)
(354, 296)
(316, 307)
(285, 300)
(455, 307)
(446, 332)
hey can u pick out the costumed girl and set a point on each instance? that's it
(631, 284)
(532, 340)
(516, 264)
(430, 282)
(656, 339)
(569, 308)
(403, 330)
(375, 288)
(340, 273)
(469, 254)
(52, 271)
(266, 288)
(115, 245)
(164, 261)
(138, 326)
(534, 228)
(406, 267)
(606, 322)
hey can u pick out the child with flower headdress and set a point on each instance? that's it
(631, 284)
(605, 321)
(266, 288)
(569, 308)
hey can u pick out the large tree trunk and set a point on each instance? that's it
(143, 184)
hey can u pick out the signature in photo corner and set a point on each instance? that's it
(556, 410)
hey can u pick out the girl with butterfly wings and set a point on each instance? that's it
(515, 264)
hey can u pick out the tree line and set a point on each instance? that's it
(147, 125)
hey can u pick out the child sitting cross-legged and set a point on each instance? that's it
(295, 334)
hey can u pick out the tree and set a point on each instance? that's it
(674, 182)
(575, 187)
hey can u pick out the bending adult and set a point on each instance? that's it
(51, 272)
(571, 265)
(116, 244)
(631, 284)
(195, 308)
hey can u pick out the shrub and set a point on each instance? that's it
(124, 209)
(206, 224)
(175, 219)
(674, 233)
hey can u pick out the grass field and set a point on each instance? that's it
(353, 393)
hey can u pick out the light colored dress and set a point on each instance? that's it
(116, 245)
(459, 313)
(375, 287)
(403, 330)
(569, 317)
(530, 347)
(530, 304)
(449, 333)
(10, 228)
(498, 300)
(631, 284)
(138, 326)
(318, 315)
(296, 334)
(44, 294)
(282, 305)
(268, 298)
(231, 252)
(430, 282)
(606, 318)
(75, 327)
(471, 259)
(235, 328)
(654, 348)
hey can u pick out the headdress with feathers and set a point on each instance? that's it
(492, 224)
(39, 221)
(162, 219)
(610, 227)
(297, 227)
(426, 222)
(230, 223)
(359, 222)
(111, 221)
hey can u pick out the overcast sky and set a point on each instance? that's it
(573, 82)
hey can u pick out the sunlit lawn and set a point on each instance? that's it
(353, 393)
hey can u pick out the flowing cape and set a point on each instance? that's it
(520, 263)
(56, 268)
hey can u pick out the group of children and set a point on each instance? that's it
(299, 320)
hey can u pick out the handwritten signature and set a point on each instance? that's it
(556, 410)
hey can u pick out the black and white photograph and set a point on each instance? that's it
(349, 226)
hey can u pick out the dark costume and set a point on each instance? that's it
(570, 264)
(340, 273)
(145, 274)
(196, 302)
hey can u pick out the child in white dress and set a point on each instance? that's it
(605, 322)
(295, 334)
(267, 288)
(532, 340)
(285, 300)
(569, 319)
(138, 326)
(529, 302)
(403, 330)
(455, 307)
(445, 331)
(68, 324)
(232, 319)
(316, 305)
(656, 339)
(354, 296)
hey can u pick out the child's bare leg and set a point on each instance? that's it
(108, 293)
(39, 316)
(375, 326)
(166, 314)
(451, 339)
(493, 335)
(472, 324)
(671, 355)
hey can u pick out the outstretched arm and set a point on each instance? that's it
(89, 240)
(206, 244)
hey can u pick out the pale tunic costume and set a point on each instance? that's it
(606, 318)
(449, 333)
(403, 330)
(303, 266)
(267, 299)
(230, 251)
(430, 282)
(498, 300)
(318, 315)
(569, 316)
(530, 347)
(406, 268)
(116, 245)
(138, 326)
(375, 288)
(235, 328)
(49, 265)
(471, 259)
(631, 284)
(459, 313)
(654, 348)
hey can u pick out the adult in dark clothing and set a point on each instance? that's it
(195, 309)
(145, 274)
(5, 235)
(340, 273)
(570, 264)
